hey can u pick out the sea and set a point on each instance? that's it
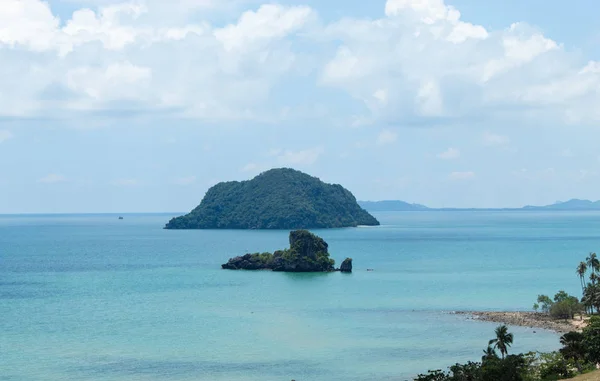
(95, 298)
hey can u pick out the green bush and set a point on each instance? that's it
(564, 306)
(591, 340)
(554, 366)
(566, 309)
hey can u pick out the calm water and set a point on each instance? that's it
(95, 298)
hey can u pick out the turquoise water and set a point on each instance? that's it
(95, 298)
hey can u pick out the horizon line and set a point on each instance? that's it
(443, 209)
(85, 213)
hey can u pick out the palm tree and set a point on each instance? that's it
(488, 354)
(589, 297)
(581, 270)
(503, 340)
(593, 263)
(572, 343)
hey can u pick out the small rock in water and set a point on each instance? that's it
(346, 266)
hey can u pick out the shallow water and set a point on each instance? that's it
(94, 298)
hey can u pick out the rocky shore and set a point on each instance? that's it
(527, 319)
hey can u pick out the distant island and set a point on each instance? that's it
(402, 206)
(281, 198)
(307, 253)
(574, 204)
(390, 206)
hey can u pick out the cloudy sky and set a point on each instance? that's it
(140, 106)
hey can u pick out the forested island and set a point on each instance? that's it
(307, 253)
(281, 198)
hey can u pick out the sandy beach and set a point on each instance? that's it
(528, 319)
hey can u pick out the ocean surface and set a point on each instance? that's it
(91, 297)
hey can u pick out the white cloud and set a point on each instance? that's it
(123, 51)
(302, 157)
(386, 137)
(419, 60)
(29, 23)
(187, 180)
(518, 50)
(5, 135)
(461, 175)
(435, 65)
(491, 139)
(449, 154)
(52, 178)
(256, 28)
(429, 99)
(432, 12)
(116, 81)
(103, 26)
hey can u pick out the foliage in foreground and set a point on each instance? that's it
(579, 354)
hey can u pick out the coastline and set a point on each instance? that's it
(527, 319)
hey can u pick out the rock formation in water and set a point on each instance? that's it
(307, 253)
(346, 266)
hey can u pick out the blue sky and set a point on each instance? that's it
(140, 106)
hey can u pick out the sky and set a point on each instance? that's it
(140, 106)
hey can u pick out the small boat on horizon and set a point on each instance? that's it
(120, 217)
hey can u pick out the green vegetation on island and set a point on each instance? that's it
(565, 306)
(562, 306)
(280, 198)
(307, 253)
(580, 352)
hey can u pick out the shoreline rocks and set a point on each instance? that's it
(526, 319)
(346, 266)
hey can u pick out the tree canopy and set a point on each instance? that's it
(280, 198)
